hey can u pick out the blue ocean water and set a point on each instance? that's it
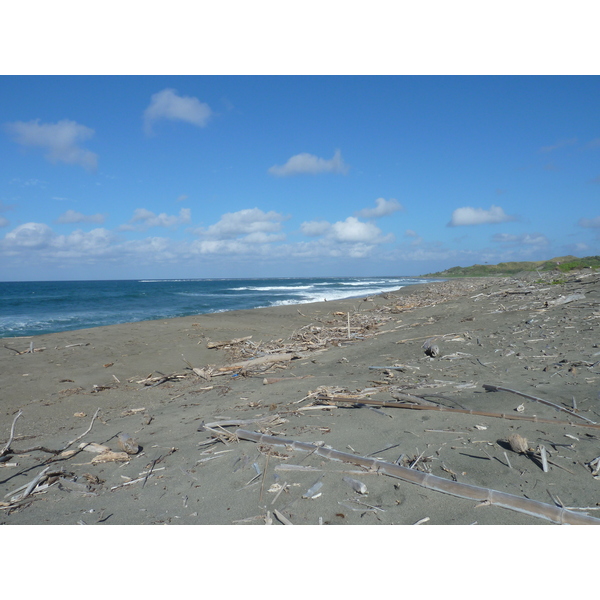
(35, 308)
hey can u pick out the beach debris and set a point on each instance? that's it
(127, 443)
(312, 491)
(518, 443)
(544, 458)
(110, 456)
(357, 486)
(282, 518)
(594, 465)
(564, 300)
(6, 448)
(430, 348)
(429, 481)
(94, 447)
(232, 342)
(497, 388)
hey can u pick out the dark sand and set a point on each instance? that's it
(506, 332)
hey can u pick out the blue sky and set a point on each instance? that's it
(233, 176)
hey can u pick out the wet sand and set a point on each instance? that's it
(168, 384)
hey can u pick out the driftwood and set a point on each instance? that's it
(49, 450)
(496, 388)
(211, 345)
(6, 448)
(268, 358)
(464, 411)
(527, 506)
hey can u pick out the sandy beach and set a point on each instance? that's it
(177, 391)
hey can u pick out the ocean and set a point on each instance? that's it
(35, 308)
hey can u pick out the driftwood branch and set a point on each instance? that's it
(6, 448)
(51, 451)
(497, 388)
(432, 482)
(464, 411)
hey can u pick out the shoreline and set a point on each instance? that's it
(201, 309)
(161, 380)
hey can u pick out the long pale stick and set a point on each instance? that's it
(464, 411)
(533, 508)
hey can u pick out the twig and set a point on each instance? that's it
(495, 388)
(84, 433)
(34, 482)
(6, 448)
(432, 482)
(465, 411)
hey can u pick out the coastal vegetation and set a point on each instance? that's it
(561, 264)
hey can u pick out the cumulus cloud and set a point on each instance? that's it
(595, 222)
(247, 222)
(382, 208)
(303, 164)
(145, 219)
(478, 216)
(352, 230)
(29, 235)
(72, 216)
(166, 104)
(39, 236)
(528, 239)
(61, 140)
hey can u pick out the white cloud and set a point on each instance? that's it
(315, 228)
(61, 140)
(595, 222)
(525, 239)
(29, 235)
(350, 231)
(3, 222)
(72, 216)
(353, 230)
(244, 222)
(166, 104)
(383, 208)
(411, 233)
(478, 216)
(310, 164)
(144, 219)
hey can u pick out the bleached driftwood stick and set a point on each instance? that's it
(227, 342)
(6, 448)
(432, 482)
(465, 411)
(497, 388)
(84, 433)
(50, 451)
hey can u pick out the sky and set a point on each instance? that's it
(125, 176)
